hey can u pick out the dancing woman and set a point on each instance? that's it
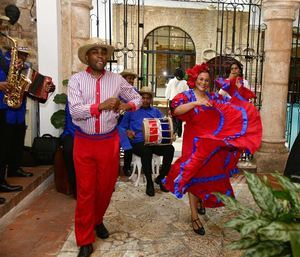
(217, 130)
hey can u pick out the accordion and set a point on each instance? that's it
(39, 87)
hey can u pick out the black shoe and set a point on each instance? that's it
(199, 230)
(19, 173)
(2, 200)
(101, 231)
(85, 251)
(161, 185)
(5, 187)
(201, 210)
(150, 188)
(127, 173)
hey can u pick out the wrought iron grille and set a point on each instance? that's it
(120, 22)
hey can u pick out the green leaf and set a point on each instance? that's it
(242, 244)
(266, 249)
(253, 226)
(65, 82)
(236, 223)
(60, 98)
(278, 231)
(58, 119)
(290, 188)
(295, 243)
(262, 195)
(234, 205)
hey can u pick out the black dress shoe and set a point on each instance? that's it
(161, 185)
(150, 188)
(85, 251)
(19, 173)
(201, 210)
(127, 173)
(2, 200)
(5, 187)
(198, 230)
(101, 231)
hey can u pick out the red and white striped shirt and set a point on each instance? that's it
(85, 93)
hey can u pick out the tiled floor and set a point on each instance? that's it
(139, 226)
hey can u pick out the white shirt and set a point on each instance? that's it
(175, 87)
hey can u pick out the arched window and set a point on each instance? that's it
(164, 49)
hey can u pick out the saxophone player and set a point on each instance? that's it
(12, 127)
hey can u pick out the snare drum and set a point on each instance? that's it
(158, 131)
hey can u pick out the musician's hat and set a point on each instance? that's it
(146, 90)
(4, 18)
(93, 43)
(127, 72)
(23, 46)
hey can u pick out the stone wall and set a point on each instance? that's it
(200, 24)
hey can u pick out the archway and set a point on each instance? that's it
(164, 49)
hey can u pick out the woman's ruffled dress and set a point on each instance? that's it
(214, 138)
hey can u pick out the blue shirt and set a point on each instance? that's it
(69, 128)
(13, 116)
(134, 121)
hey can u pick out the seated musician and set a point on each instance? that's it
(132, 122)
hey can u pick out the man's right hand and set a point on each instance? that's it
(130, 134)
(110, 104)
(4, 86)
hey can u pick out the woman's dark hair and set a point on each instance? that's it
(179, 73)
(239, 65)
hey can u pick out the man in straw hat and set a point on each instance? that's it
(129, 75)
(133, 124)
(93, 97)
(12, 125)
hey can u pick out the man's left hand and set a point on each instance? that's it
(123, 107)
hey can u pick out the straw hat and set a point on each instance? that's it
(127, 72)
(146, 90)
(93, 43)
(4, 18)
(23, 46)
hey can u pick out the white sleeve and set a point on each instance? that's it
(246, 83)
(168, 90)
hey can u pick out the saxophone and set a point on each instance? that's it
(17, 82)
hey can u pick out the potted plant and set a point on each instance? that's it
(58, 117)
(274, 230)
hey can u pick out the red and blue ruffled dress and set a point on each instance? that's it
(214, 138)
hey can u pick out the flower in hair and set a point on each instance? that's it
(194, 72)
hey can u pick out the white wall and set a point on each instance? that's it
(48, 39)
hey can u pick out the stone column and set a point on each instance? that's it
(75, 29)
(80, 28)
(279, 16)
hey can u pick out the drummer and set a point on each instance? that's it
(132, 122)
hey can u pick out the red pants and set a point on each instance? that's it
(96, 160)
